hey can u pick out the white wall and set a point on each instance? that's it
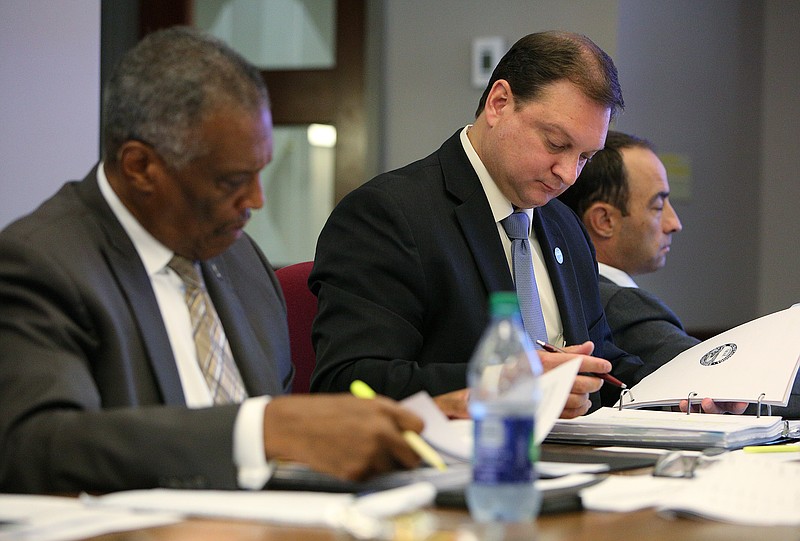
(49, 98)
(691, 73)
(427, 50)
(716, 80)
(778, 259)
(691, 76)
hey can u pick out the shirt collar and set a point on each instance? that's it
(153, 254)
(501, 207)
(619, 277)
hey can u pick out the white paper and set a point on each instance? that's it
(49, 518)
(756, 490)
(283, 507)
(625, 493)
(561, 469)
(761, 356)
(453, 438)
(309, 508)
(667, 428)
(556, 385)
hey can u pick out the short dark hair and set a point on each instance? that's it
(539, 59)
(163, 88)
(604, 177)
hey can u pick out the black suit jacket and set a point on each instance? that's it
(643, 325)
(90, 397)
(403, 269)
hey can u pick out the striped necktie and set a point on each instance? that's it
(213, 351)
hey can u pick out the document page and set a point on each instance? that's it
(758, 490)
(453, 438)
(757, 360)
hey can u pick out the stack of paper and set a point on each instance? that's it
(53, 518)
(666, 429)
(759, 490)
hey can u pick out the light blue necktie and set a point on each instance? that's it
(516, 227)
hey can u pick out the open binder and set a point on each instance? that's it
(755, 362)
(670, 429)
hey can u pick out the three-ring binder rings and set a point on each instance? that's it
(611, 426)
(755, 362)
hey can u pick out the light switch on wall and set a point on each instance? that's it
(486, 53)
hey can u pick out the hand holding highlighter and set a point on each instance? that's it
(414, 440)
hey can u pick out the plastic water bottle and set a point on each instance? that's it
(504, 395)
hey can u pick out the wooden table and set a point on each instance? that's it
(572, 526)
(644, 525)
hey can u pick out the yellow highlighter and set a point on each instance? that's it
(785, 448)
(414, 440)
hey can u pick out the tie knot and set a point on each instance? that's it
(186, 270)
(516, 225)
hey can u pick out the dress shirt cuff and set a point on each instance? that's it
(248, 444)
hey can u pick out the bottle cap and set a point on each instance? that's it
(503, 303)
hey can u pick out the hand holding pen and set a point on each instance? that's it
(605, 377)
(579, 401)
(600, 375)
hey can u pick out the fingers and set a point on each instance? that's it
(341, 435)
(586, 384)
(588, 363)
(708, 405)
(736, 408)
(578, 402)
(582, 349)
(454, 404)
(576, 405)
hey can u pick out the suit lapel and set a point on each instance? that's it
(484, 243)
(474, 215)
(132, 278)
(259, 375)
(562, 277)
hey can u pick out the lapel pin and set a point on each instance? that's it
(559, 255)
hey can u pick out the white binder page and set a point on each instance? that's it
(761, 356)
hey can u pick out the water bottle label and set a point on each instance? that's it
(504, 450)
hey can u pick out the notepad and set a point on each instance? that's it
(755, 362)
(669, 429)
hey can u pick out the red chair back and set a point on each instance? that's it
(301, 307)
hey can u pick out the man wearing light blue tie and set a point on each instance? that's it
(405, 264)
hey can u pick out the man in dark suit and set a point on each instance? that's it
(406, 262)
(622, 197)
(100, 383)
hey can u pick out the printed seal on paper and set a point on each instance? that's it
(718, 355)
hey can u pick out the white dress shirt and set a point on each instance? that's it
(619, 277)
(501, 209)
(248, 432)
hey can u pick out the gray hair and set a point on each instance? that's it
(163, 88)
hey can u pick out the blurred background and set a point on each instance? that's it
(363, 86)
